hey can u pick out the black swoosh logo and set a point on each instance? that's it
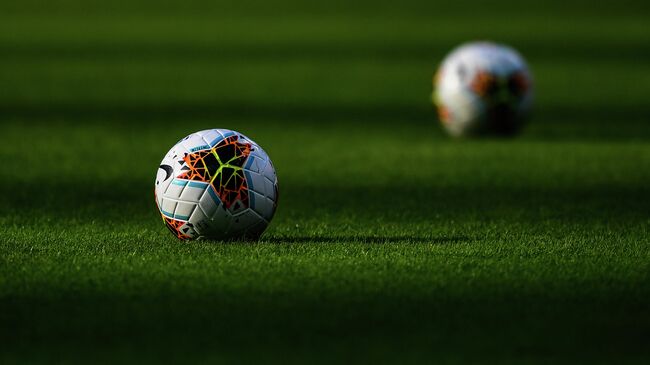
(168, 170)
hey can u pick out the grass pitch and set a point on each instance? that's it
(391, 243)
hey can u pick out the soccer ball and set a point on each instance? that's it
(216, 184)
(483, 88)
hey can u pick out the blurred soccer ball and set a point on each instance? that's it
(216, 184)
(483, 88)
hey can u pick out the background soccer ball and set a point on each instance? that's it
(483, 88)
(216, 184)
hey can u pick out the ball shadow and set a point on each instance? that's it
(365, 239)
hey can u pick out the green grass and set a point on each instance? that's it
(391, 243)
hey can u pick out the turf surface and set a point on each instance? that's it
(391, 243)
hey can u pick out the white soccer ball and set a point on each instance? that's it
(216, 184)
(483, 88)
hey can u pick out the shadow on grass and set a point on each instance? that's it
(116, 202)
(549, 122)
(343, 313)
(145, 113)
(632, 52)
(365, 239)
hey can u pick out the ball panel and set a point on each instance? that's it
(245, 220)
(193, 191)
(175, 188)
(253, 163)
(264, 206)
(209, 202)
(269, 172)
(269, 187)
(168, 207)
(184, 210)
(220, 223)
(255, 182)
(200, 221)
